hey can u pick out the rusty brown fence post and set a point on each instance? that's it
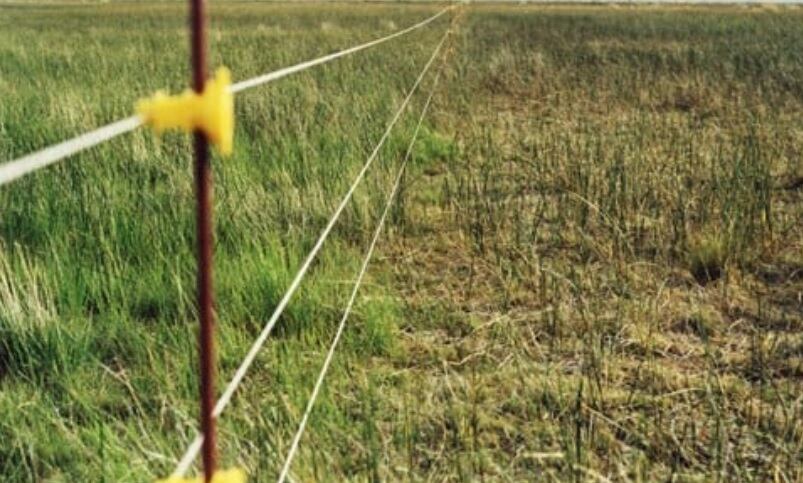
(203, 193)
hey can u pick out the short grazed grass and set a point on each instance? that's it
(594, 270)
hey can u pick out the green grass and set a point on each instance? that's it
(594, 270)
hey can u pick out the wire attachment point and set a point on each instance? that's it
(211, 111)
(234, 475)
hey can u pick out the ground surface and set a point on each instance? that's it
(594, 272)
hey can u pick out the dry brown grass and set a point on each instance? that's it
(587, 297)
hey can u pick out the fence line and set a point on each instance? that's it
(192, 451)
(19, 167)
(247, 84)
(358, 281)
(27, 164)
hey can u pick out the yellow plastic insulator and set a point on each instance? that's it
(234, 475)
(211, 111)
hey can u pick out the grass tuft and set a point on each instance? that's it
(707, 257)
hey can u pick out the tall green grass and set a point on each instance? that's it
(98, 324)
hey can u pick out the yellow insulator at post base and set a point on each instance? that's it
(211, 111)
(234, 475)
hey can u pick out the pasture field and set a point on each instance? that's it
(594, 271)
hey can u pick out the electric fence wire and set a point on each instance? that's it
(193, 449)
(17, 168)
(358, 281)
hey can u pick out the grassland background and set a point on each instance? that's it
(594, 269)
